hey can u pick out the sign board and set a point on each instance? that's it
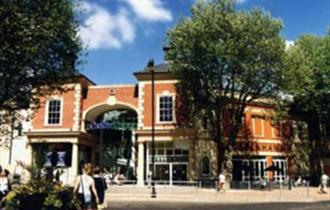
(110, 125)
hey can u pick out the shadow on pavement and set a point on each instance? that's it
(162, 205)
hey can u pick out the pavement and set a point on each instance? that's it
(198, 195)
(192, 198)
(162, 205)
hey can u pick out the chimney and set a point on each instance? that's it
(166, 48)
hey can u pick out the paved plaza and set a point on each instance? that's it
(135, 198)
(162, 205)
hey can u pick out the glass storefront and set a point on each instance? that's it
(171, 163)
(255, 168)
(282, 165)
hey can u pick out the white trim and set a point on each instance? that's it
(111, 86)
(105, 103)
(140, 106)
(50, 130)
(157, 138)
(282, 154)
(160, 82)
(46, 115)
(271, 141)
(257, 111)
(76, 110)
(165, 94)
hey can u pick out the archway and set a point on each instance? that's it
(114, 126)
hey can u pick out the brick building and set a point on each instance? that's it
(111, 125)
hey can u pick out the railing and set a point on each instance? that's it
(205, 190)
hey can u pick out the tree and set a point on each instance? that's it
(39, 49)
(39, 46)
(224, 59)
(307, 80)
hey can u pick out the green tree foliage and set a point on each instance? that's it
(307, 80)
(39, 46)
(225, 59)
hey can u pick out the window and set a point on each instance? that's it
(206, 166)
(253, 169)
(282, 165)
(165, 108)
(205, 123)
(258, 125)
(54, 112)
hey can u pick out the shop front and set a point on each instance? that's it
(171, 162)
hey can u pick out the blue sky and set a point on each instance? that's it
(122, 35)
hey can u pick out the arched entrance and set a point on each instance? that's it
(114, 126)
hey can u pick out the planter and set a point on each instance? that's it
(30, 202)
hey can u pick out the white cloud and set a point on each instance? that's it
(288, 44)
(150, 10)
(101, 29)
(105, 29)
(240, 1)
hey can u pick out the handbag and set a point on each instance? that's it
(81, 196)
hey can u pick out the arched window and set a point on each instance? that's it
(206, 169)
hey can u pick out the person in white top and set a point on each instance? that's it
(221, 182)
(85, 186)
(4, 184)
(324, 183)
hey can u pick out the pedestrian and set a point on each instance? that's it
(263, 183)
(18, 171)
(221, 181)
(101, 186)
(149, 176)
(298, 182)
(5, 186)
(324, 183)
(85, 187)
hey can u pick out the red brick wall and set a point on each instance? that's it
(100, 95)
(269, 131)
(159, 88)
(38, 122)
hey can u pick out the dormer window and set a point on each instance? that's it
(54, 112)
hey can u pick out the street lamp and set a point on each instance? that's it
(151, 69)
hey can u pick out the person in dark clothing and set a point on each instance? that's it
(100, 186)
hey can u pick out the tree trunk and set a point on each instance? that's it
(315, 140)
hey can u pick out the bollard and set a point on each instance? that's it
(290, 183)
(280, 190)
(329, 190)
(249, 190)
(307, 190)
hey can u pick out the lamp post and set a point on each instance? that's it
(151, 69)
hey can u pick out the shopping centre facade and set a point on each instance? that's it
(111, 125)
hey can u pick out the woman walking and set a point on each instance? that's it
(85, 186)
(100, 186)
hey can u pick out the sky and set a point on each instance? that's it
(121, 36)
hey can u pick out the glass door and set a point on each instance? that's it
(162, 173)
(179, 173)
